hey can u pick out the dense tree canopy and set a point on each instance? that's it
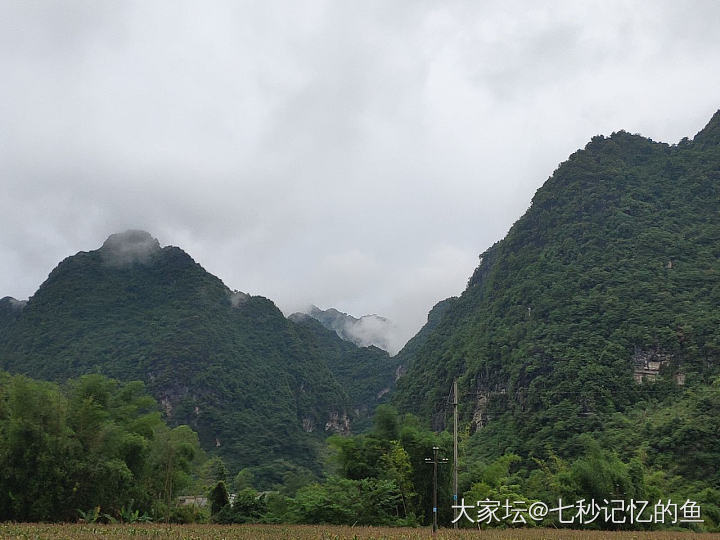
(93, 443)
(614, 265)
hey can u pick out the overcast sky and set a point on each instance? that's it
(357, 155)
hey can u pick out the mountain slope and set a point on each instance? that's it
(612, 275)
(228, 364)
(10, 310)
(367, 374)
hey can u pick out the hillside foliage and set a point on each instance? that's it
(91, 446)
(258, 388)
(616, 260)
(596, 316)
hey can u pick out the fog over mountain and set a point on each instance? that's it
(364, 331)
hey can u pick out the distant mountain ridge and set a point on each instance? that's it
(257, 387)
(364, 331)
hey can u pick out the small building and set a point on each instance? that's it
(193, 500)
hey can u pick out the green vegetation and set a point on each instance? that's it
(92, 449)
(366, 373)
(259, 389)
(381, 478)
(613, 268)
(378, 478)
(586, 347)
(617, 255)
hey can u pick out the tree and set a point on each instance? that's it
(37, 452)
(172, 454)
(386, 422)
(92, 444)
(218, 498)
(396, 466)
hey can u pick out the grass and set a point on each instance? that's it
(321, 532)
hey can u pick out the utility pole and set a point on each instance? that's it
(455, 452)
(435, 462)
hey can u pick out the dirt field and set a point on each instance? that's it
(324, 532)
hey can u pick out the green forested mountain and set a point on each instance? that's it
(366, 373)
(586, 346)
(597, 313)
(418, 340)
(256, 387)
